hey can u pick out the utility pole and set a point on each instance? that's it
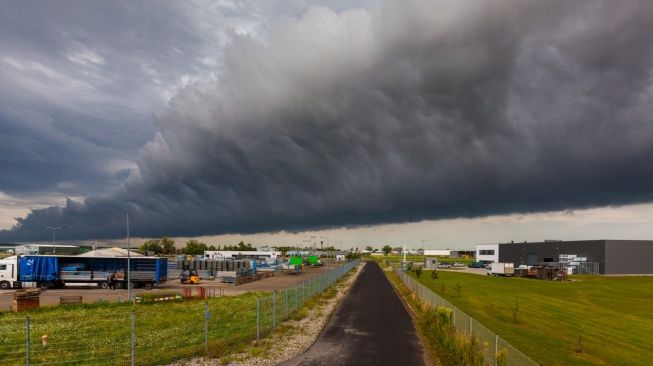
(129, 287)
(53, 228)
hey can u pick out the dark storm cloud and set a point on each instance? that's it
(416, 110)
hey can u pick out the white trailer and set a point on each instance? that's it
(501, 269)
(9, 273)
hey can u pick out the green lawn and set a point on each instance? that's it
(613, 315)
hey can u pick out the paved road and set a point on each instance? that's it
(371, 327)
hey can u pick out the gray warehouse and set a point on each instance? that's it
(613, 257)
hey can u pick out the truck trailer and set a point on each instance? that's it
(502, 269)
(55, 271)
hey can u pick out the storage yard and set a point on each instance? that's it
(590, 320)
(91, 294)
(99, 334)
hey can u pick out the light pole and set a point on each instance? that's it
(54, 228)
(129, 287)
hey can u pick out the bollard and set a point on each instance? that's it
(471, 334)
(286, 302)
(496, 350)
(295, 298)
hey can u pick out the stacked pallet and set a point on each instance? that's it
(25, 299)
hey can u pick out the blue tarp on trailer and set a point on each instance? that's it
(38, 268)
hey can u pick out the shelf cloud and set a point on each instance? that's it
(407, 111)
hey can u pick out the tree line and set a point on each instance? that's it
(167, 246)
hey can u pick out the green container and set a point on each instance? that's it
(312, 260)
(297, 261)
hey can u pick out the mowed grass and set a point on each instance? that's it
(99, 334)
(612, 315)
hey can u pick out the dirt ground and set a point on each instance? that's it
(214, 288)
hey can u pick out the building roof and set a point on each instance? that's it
(110, 252)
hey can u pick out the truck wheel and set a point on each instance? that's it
(44, 285)
(119, 285)
(104, 285)
(4, 285)
(148, 286)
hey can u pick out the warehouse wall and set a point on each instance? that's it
(533, 253)
(629, 257)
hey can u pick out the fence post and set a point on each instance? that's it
(286, 303)
(27, 343)
(206, 328)
(258, 333)
(274, 308)
(133, 339)
(303, 301)
(296, 297)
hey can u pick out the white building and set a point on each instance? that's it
(487, 253)
(222, 254)
(437, 252)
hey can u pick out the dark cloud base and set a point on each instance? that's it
(418, 110)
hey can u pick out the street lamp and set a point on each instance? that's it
(54, 228)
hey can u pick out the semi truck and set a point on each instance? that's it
(55, 271)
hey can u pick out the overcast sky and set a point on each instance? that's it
(434, 119)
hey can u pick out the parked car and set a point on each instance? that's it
(444, 265)
(476, 265)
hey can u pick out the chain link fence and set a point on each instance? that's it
(496, 351)
(114, 334)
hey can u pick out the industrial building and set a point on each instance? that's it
(235, 254)
(611, 257)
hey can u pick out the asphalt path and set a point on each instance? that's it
(371, 327)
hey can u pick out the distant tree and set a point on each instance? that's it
(241, 247)
(153, 245)
(195, 247)
(369, 248)
(167, 245)
(386, 249)
(211, 247)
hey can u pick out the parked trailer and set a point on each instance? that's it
(502, 269)
(55, 271)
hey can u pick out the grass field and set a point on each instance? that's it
(100, 334)
(612, 315)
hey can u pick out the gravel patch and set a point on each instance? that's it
(291, 339)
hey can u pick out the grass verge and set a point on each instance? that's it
(435, 328)
(594, 320)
